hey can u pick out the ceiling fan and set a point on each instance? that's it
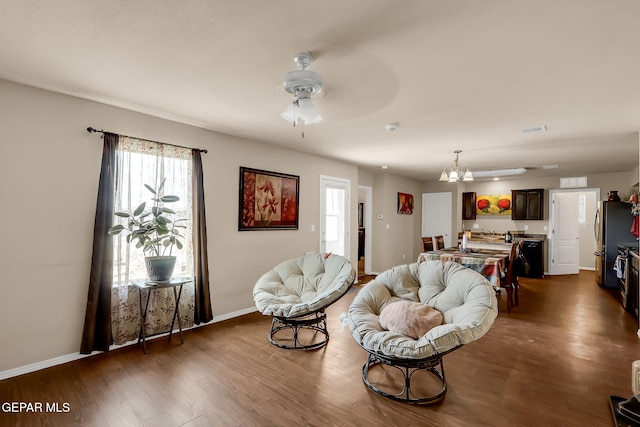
(302, 84)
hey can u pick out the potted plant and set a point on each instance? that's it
(155, 231)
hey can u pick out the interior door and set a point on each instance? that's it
(565, 235)
(436, 216)
(334, 215)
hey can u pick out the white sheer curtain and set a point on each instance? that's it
(141, 162)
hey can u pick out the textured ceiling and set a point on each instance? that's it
(462, 74)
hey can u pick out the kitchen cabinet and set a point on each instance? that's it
(468, 205)
(527, 204)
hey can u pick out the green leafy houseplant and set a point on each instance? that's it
(154, 230)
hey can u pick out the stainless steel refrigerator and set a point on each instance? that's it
(612, 227)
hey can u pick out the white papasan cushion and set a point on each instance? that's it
(303, 285)
(465, 298)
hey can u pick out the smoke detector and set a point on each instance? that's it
(391, 127)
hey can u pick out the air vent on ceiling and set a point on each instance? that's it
(534, 129)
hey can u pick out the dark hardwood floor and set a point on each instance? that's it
(553, 361)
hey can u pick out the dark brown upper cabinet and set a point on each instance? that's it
(527, 204)
(468, 206)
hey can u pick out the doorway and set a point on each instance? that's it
(364, 229)
(334, 215)
(571, 222)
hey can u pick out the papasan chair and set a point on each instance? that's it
(409, 317)
(297, 292)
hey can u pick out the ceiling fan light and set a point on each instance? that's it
(307, 110)
(289, 114)
(312, 120)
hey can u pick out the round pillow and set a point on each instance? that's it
(410, 318)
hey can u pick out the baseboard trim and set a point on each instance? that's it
(21, 370)
(37, 366)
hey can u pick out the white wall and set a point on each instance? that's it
(49, 169)
(396, 238)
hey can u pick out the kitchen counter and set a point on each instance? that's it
(488, 244)
(533, 247)
(497, 240)
(526, 236)
(499, 236)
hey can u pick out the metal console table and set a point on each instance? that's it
(148, 286)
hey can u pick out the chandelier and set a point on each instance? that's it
(457, 173)
(302, 84)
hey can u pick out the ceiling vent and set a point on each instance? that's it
(535, 129)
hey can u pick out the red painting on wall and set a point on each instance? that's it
(405, 204)
(268, 200)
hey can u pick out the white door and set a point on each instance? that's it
(565, 233)
(436, 216)
(334, 215)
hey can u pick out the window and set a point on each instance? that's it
(143, 162)
(582, 209)
(335, 220)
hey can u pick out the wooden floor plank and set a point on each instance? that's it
(554, 360)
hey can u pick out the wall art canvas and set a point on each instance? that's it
(405, 204)
(268, 200)
(494, 204)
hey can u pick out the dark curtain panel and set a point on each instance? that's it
(97, 322)
(203, 312)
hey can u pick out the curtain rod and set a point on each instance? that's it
(91, 129)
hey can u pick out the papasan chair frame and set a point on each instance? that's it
(464, 297)
(296, 293)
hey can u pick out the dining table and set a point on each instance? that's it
(491, 263)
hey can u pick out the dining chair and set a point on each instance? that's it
(427, 243)
(510, 279)
(439, 242)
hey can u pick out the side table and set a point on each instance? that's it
(149, 286)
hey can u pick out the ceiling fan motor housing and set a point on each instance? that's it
(302, 80)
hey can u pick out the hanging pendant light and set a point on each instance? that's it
(457, 173)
